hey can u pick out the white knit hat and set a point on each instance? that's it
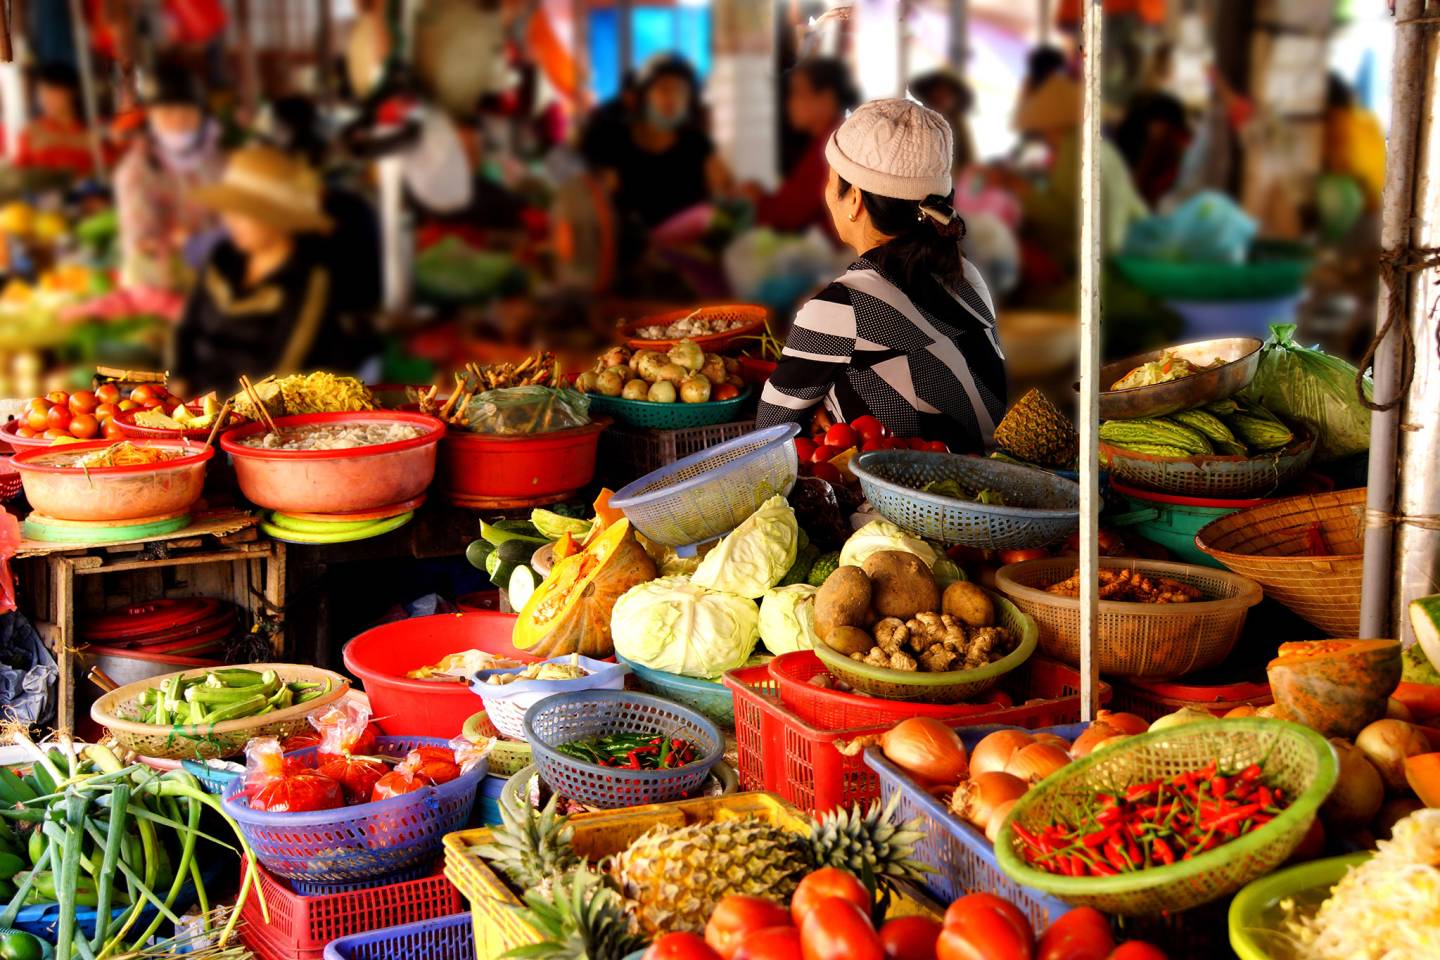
(894, 148)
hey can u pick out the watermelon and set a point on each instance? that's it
(1425, 619)
(1336, 687)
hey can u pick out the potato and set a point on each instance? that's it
(843, 601)
(901, 584)
(968, 603)
(848, 640)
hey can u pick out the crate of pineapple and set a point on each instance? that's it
(534, 879)
(1225, 450)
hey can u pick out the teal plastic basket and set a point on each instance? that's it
(709, 697)
(1173, 521)
(1268, 279)
(668, 416)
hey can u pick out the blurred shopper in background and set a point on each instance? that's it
(818, 94)
(907, 334)
(1354, 141)
(264, 301)
(944, 92)
(164, 233)
(666, 162)
(57, 138)
(1153, 137)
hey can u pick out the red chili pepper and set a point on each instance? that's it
(1115, 854)
(1141, 791)
(1219, 786)
(1236, 815)
(1251, 772)
(1100, 837)
(1104, 870)
(1161, 851)
(1110, 815)
(1029, 838)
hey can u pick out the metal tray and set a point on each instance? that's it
(1242, 356)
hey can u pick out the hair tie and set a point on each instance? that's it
(943, 218)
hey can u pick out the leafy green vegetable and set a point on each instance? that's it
(952, 488)
(756, 555)
(676, 625)
(787, 618)
(880, 535)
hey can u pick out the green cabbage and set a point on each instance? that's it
(880, 535)
(787, 618)
(946, 572)
(756, 555)
(675, 625)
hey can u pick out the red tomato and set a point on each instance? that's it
(1137, 950)
(310, 738)
(1081, 934)
(836, 929)
(842, 435)
(39, 405)
(38, 420)
(83, 401)
(982, 926)
(895, 443)
(827, 472)
(936, 446)
(776, 943)
(59, 417)
(910, 938)
(1007, 557)
(144, 394)
(58, 398)
(828, 882)
(725, 391)
(868, 427)
(804, 448)
(915, 443)
(24, 432)
(154, 404)
(736, 917)
(680, 946)
(53, 434)
(997, 696)
(105, 411)
(825, 453)
(112, 431)
(878, 443)
(128, 405)
(84, 426)
(107, 393)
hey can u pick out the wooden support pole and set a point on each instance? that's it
(1090, 314)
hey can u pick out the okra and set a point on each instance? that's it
(231, 711)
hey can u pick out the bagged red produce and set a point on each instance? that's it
(344, 730)
(397, 782)
(310, 738)
(356, 775)
(434, 764)
(274, 786)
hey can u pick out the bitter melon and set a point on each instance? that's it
(1211, 426)
(1222, 408)
(1155, 432)
(1260, 433)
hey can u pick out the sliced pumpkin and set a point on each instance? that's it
(564, 547)
(1336, 687)
(569, 612)
(1422, 772)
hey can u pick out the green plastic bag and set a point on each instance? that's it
(1310, 386)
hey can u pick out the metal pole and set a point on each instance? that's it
(87, 88)
(1090, 315)
(1045, 21)
(1397, 204)
(627, 39)
(959, 35)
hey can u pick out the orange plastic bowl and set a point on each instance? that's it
(403, 707)
(131, 492)
(20, 444)
(336, 481)
(478, 466)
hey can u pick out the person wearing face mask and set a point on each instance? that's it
(666, 163)
(907, 333)
(165, 234)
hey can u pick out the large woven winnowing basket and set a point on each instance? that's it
(1271, 544)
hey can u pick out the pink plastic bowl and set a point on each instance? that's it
(336, 481)
(382, 656)
(113, 493)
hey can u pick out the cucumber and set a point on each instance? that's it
(10, 865)
(516, 551)
(501, 577)
(478, 552)
(502, 531)
(492, 563)
(521, 586)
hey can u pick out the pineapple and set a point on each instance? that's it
(579, 918)
(673, 878)
(532, 848)
(1034, 430)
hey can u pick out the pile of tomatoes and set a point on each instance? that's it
(861, 435)
(830, 919)
(88, 414)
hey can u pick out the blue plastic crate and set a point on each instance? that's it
(963, 860)
(445, 938)
(488, 804)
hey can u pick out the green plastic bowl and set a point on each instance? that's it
(952, 686)
(1216, 282)
(668, 416)
(710, 697)
(1255, 917)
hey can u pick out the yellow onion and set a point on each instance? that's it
(1387, 743)
(997, 820)
(1123, 722)
(1358, 792)
(994, 752)
(1095, 733)
(1036, 762)
(1181, 717)
(1109, 742)
(976, 799)
(1396, 710)
(926, 749)
(1054, 740)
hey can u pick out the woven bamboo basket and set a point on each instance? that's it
(1158, 640)
(1293, 757)
(1270, 544)
(208, 742)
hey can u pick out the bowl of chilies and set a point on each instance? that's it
(1169, 820)
(618, 748)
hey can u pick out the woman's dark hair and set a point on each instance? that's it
(925, 234)
(669, 65)
(1337, 92)
(927, 87)
(1042, 63)
(57, 73)
(1132, 135)
(296, 128)
(829, 74)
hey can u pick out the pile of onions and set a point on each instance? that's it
(1358, 791)
(997, 819)
(1387, 743)
(993, 754)
(1035, 762)
(1094, 735)
(927, 750)
(1127, 723)
(977, 799)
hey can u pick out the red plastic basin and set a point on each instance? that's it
(336, 481)
(131, 492)
(488, 466)
(382, 656)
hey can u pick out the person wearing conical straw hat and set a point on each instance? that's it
(264, 300)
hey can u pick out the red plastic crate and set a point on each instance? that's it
(781, 753)
(301, 926)
(1154, 699)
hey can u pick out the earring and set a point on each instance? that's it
(853, 217)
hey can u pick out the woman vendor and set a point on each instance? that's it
(264, 302)
(907, 333)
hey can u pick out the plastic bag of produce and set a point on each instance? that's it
(274, 786)
(1208, 228)
(1310, 386)
(521, 411)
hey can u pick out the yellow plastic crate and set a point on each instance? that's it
(498, 927)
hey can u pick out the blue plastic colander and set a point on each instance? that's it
(1040, 507)
(568, 717)
(444, 938)
(708, 494)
